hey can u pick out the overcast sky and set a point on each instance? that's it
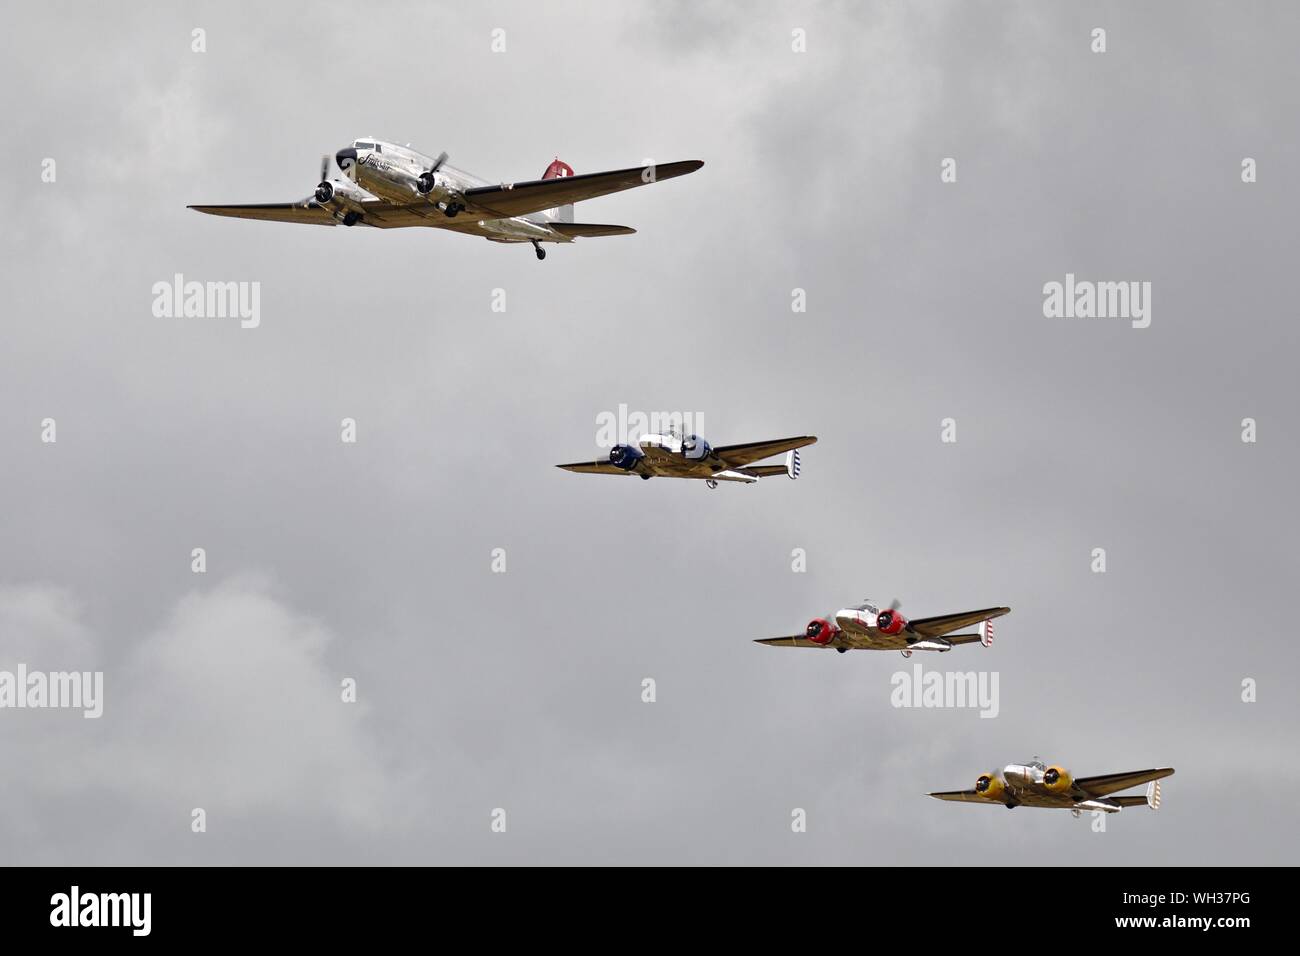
(522, 690)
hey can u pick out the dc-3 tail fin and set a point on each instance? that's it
(986, 633)
(792, 464)
(558, 170)
(1153, 795)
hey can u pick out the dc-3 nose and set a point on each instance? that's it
(344, 156)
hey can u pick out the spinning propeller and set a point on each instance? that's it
(426, 180)
(325, 191)
(885, 619)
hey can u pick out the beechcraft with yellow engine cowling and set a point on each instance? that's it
(389, 186)
(1036, 785)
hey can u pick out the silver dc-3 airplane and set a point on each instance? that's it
(1034, 785)
(690, 456)
(868, 628)
(388, 186)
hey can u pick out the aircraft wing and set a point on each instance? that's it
(961, 796)
(595, 468)
(794, 640)
(1111, 782)
(305, 211)
(519, 199)
(739, 455)
(943, 623)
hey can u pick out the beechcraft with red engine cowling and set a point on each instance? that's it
(868, 628)
(1036, 785)
(690, 456)
(388, 186)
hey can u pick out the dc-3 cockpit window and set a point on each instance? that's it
(363, 145)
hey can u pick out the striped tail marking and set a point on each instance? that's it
(792, 464)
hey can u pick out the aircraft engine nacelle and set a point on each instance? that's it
(625, 456)
(341, 199)
(820, 631)
(696, 448)
(337, 191)
(890, 621)
(990, 785)
(432, 186)
(1057, 779)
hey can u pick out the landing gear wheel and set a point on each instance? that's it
(842, 650)
(451, 209)
(905, 652)
(537, 247)
(710, 483)
(350, 218)
(645, 477)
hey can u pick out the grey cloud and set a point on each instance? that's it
(522, 690)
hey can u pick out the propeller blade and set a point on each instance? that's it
(437, 163)
(324, 168)
(895, 604)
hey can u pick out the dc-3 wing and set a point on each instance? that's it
(306, 211)
(737, 456)
(519, 199)
(944, 623)
(1108, 783)
(374, 212)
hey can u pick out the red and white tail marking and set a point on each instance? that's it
(986, 633)
(558, 169)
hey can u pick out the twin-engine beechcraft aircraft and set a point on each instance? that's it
(867, 628)
(690, 456)
(374, 183)
(1034, 785)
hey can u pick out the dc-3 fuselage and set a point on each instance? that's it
(402, 175)
(391, 186)
(869, 628)
(1034, 784)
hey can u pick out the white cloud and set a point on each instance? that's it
(229, 705)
